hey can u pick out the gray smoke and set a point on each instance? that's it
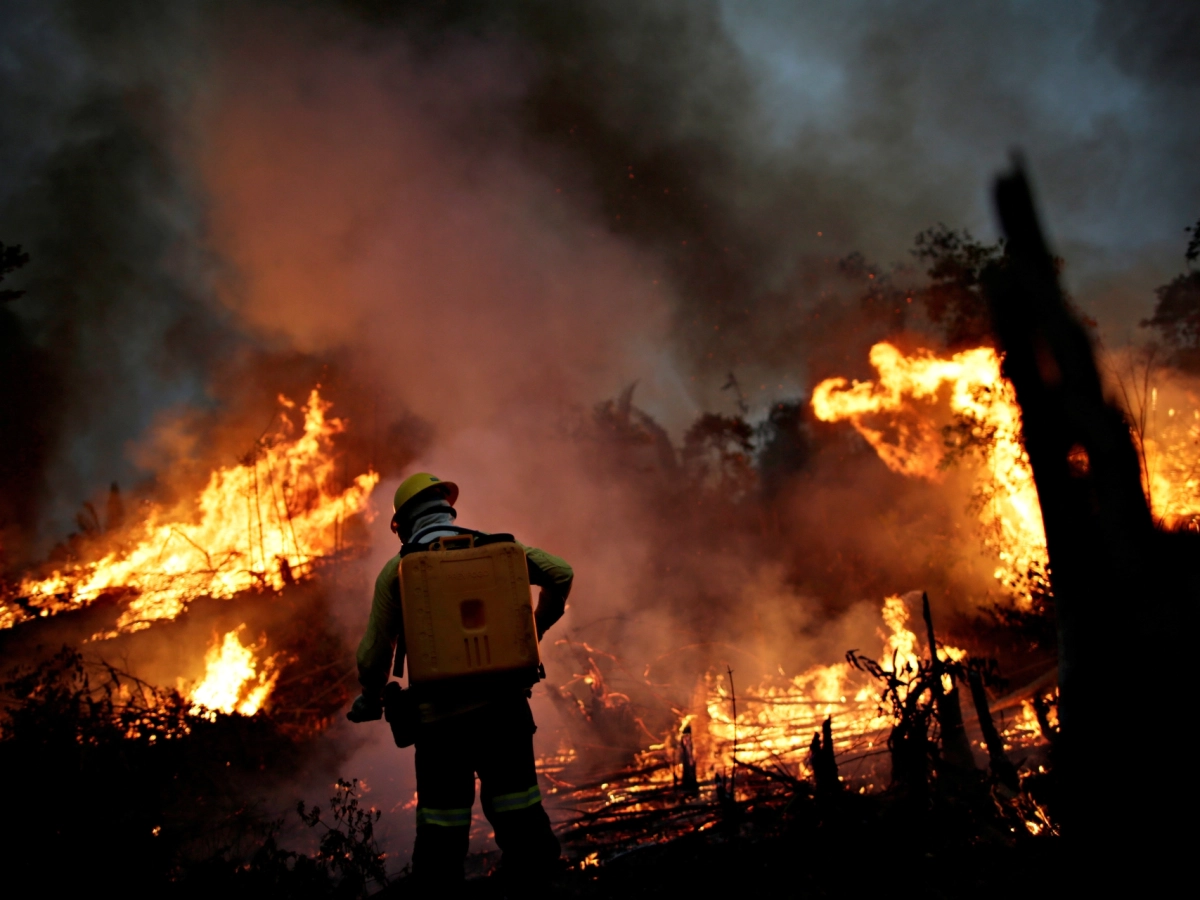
(498, 213)
(744, 148)
(118, 290)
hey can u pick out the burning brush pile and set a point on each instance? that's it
(888, 734)
(259, 525)
(269, 523)
(939, 728)
(944, 744)
(199, 668)
(648, 762)
(918, 720)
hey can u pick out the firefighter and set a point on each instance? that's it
(465, 730)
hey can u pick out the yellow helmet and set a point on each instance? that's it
(420, 483)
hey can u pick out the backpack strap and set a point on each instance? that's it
(481, 538)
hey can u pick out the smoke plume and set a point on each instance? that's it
(474, 221)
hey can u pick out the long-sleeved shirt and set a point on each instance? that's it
(382, 648)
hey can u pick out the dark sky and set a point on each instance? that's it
(918, 103)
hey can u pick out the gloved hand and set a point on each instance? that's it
(365, 709)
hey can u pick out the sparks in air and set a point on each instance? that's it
(258, 524)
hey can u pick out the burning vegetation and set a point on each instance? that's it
(202, 669)
(955, 736)
(257, 525)
(898, 416)
(896, 605)
(860, 513)
(962, 728)
(232, 679)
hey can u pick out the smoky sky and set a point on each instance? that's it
(917, 104)
(744, 147)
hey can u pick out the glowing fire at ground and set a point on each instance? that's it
(233, 681)
(897, 416)
(776, 720)
(772, 731)
(1170, 449)
(923, 413)
(258, 524)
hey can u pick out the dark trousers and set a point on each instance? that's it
(495, 742)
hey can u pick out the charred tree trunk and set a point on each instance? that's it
(1042, 710)
(824, 765)
(1002, 768)
(1110, 568)
(956, 747)
(908, 744)
(687, 758)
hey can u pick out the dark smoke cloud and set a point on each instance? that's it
(492, 215)
(727, 135)
(1155, 40)
(117, 290)
(718, 137)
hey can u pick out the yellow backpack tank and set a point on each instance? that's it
(467, 610)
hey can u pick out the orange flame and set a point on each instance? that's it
(258, 524)
(232, 680)
(773, 732)
(1170, 444)
(896, 415)
(776, 720)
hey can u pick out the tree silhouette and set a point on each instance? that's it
(1177, 313)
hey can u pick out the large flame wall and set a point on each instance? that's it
(255, 525)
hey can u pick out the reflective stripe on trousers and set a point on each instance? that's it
(494, 742)
(447, 818)
(456, 818)
(513, 802)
